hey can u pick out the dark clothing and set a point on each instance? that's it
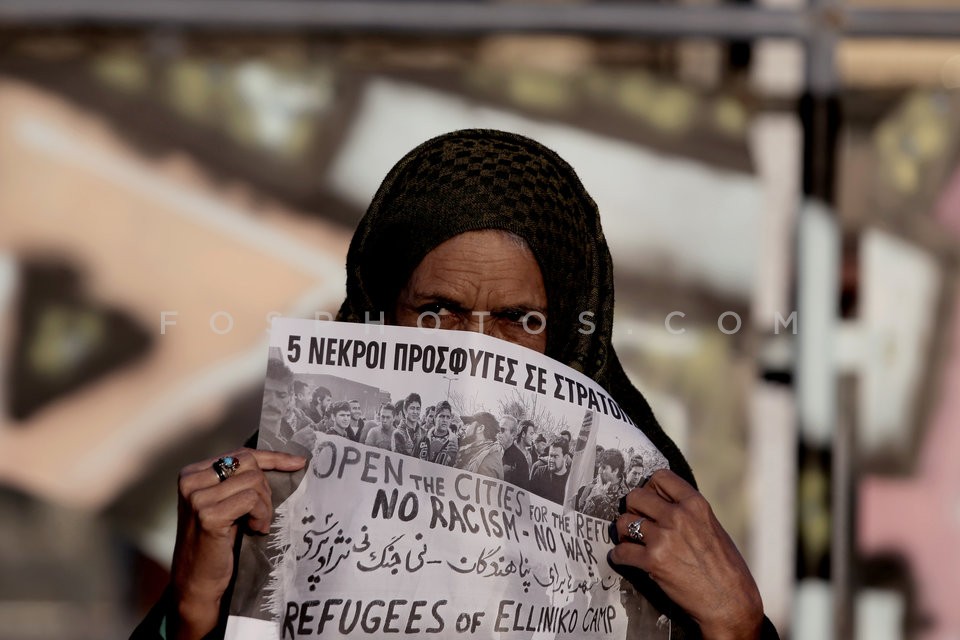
(482, 456)
(516, 469)
(286, 430)
(365, 430)
(439, 449)
(312, 413)
(547, 484)
(529, 457)
(294, 421)
(603, 503)
(335, 430)
(353, 433)
(534, 458)
(405, 441)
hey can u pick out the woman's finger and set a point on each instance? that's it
(207, 463)
(670, 486)
(626, 554)
(267, 460)
(201, 475)
(652, 555)
(253, 479)
(649, 529)
(222, 516)
(646, 501)
(260, 515)
(277, 460)
(206, 503)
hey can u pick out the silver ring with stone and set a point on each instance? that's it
(633, 530)
(226, 467)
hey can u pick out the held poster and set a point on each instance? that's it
(438, 519)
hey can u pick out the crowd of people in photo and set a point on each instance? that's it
(505, 447)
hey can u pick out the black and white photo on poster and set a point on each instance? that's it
(457, 485)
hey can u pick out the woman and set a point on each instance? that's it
(484, 229)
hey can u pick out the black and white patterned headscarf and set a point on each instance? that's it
(483, 179)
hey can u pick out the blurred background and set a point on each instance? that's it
(779, 181)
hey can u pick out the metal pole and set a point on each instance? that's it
(418, 16)
(821, 116)
(745, 22)
(841, 508)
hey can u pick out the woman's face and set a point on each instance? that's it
(478, 281)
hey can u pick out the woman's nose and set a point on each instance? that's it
(480, 322)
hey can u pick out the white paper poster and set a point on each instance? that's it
(437, 519)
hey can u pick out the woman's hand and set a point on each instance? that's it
(689, 555)
(208, 514)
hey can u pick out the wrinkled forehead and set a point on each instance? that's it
(471, 181)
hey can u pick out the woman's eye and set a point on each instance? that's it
(436, 315)
(529, 319)
(513, 315)
(434, 307)
(533, 321)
